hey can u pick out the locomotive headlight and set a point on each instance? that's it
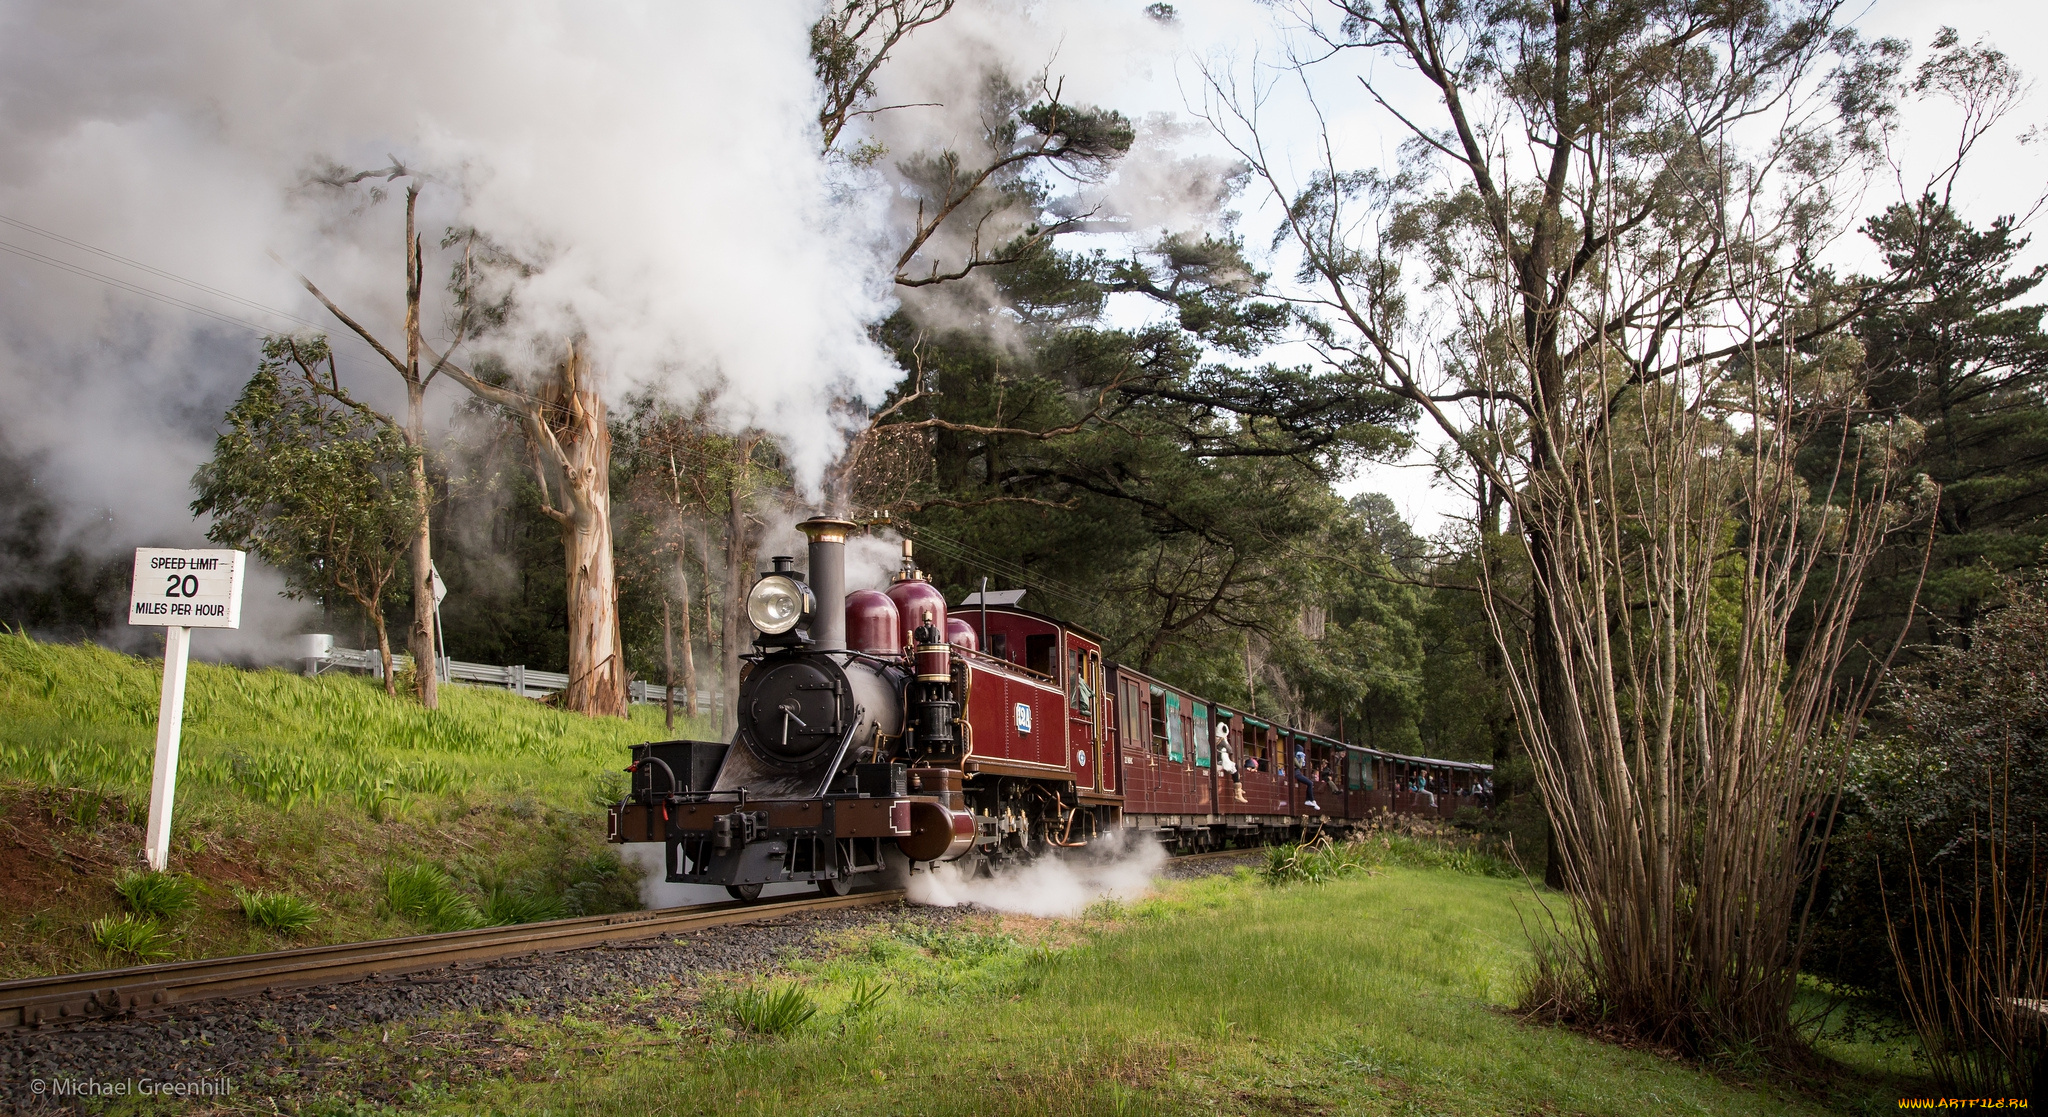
(776, 603)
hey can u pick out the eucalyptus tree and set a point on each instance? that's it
(318, 487)
(1588, 270)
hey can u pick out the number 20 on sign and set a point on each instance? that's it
(180, 590)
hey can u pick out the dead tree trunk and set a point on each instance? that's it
(420, 637)
(572, 455)
(574, 418)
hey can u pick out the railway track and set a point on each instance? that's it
(37, 1002)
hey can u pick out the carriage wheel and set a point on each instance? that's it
(747, 892)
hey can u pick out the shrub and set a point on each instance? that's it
(425, 895)
(1937, 879)
(776, 1012)
(141, 939)
(600, 884)
(160, 896)
(277, 911)
(505, 906)
(1316, 862)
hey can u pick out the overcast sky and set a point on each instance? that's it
(174, 138)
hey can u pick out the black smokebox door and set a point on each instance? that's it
(797, 711)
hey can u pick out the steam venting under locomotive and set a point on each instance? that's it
(852, 754)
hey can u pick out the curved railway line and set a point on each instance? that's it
(41, 1002)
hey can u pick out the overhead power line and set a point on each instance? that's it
(155, 271)
(167, 299)
(1011, 571)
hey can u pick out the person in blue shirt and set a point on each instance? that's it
(1308, 782)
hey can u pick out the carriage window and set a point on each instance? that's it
(1255, 745)
(1176, 729)
(1039, 654)
(1131, 718)
(1158, 741)
(999, 645)
(1200, 737)
(1322, 763)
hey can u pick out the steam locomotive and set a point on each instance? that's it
(879, 732)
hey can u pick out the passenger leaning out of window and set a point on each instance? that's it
(1308, 780)
(1226, 765)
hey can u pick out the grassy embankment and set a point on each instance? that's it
(321, 789)
(1378, 995)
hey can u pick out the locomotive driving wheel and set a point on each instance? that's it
(747, 892)
(835, 886)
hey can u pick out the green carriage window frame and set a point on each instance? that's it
(1176, 743)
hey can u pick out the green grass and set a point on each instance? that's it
(84, 717)
(312, 787)
(1379, 994)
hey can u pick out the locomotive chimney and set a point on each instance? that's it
(827, 577)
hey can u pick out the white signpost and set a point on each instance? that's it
(181, 590)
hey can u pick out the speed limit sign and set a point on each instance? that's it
(180, 590)
(188, 588)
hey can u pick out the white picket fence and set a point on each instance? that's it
(527, 682)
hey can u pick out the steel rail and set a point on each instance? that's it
(36, 1002)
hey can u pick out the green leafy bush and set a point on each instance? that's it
(426, 896)
(142, 939)
(160, 896)
(277, 911)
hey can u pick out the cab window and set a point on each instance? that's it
(1040, 652)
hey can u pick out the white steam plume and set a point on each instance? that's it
(661, 160)
(1050, 887)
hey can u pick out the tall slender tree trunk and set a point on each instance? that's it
(704, 603)
(425, 668)
(420, 636)
(668, 668)
(574, 415)
(737, 551)
(689, 657)
(384, 653)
